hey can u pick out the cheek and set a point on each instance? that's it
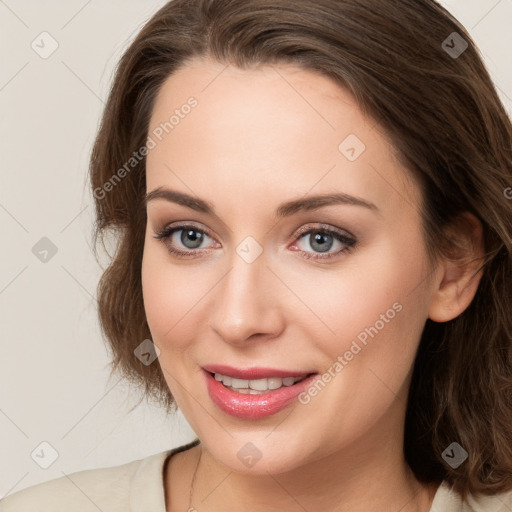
(169, 299)
(372, 310)
(353, 296)
(156, 304)
(170, 295)
(377, 323)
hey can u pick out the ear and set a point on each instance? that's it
(459, 272)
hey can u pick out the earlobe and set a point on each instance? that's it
(460, 272)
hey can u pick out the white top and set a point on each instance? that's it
(138, 486)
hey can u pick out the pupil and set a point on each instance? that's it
(191, 236)
(319, 240)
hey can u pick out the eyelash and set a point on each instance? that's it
(349, 242)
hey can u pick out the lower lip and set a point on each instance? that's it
(246, 406)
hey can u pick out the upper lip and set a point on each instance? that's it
(253, 373)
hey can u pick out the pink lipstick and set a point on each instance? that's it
(261, 404)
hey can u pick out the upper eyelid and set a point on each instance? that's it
(323, 227)
(183, 225)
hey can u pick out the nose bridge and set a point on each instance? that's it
(244, 302)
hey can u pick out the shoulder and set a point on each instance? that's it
(447, 500)
(107, 489)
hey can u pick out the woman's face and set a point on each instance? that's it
(275, 277)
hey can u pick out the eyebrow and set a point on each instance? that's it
(284, 210)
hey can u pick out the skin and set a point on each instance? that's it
(258, 138)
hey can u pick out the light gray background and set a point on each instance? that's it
(54, 364)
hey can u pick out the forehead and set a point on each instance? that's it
(271, 130)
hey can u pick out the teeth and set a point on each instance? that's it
(238, 383)
(253, 387)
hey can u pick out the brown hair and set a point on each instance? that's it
(449, 128)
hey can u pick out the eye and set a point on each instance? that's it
(186, 240)
(322, 239)
(188, 236)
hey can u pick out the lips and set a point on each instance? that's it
(255, 406)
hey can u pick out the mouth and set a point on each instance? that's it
(255, 398)
(257, 386)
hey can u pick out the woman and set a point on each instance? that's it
(312, 203)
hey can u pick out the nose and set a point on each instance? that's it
(247, 303)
